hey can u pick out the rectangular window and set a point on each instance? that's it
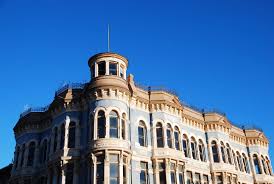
(122, 72)
(102, 68)
(144, 173)
(197, 178)
(172, 173)
(219, 179)
(141, 134)
(162, 173)
(113, 169)
(113, 121)
(125, 166)
(112, 68)
(205, 177)
(189, 179)
(69, 173)
(100, 170)
(181, 174)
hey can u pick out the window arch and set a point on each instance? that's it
(268, 166)
(113, 124)
(55, 135)
(193, 146)
(176, 138)
(256, 164)
(245, 164)
(16, 155)
(62, 140)
(43, 153)
(101, 124)
(228, 153)
(71, 135)
(186, 145)
(31, 154)
(22, 155)
(159, 135)
(123, 126)
(142, 133)
(169, 135)
(239, 160)
(202, 151)
(264, 165)
(235, 160)
(215, 154)
(223, 152)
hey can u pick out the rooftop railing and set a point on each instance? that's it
(34, 109)
(156, 88)
(70, 86)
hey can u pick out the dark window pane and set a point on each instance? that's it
(112, 68)
(102, 68)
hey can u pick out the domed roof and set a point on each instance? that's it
(107, 54)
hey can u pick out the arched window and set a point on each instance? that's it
(193, 145)
(256, 164)
(102, 68)
(71, 136)
(123, 126)
(55, 135)
(223, 152)
(159, 135)
(101, 125)
(176, 138)
(268, 166)
(235, 160)
(31, 154)
(62, 140)
(16, 155)
(239, 160)
(43, 153)
(169, 136)
(186, 146)
(202, 151)
(142, 134)
(215, 154)
(22, 155)
(113, 124)
(245, 163)
(228, 152)
(264, 165)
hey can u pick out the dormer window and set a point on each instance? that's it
(102, 68)
(112, 68)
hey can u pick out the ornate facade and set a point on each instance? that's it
(111, 131)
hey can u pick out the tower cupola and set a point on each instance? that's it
(108, 64)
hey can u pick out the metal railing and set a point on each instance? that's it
(70, 86)
(34, 109)
(156, 88)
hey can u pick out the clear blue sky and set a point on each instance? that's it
(215, 54)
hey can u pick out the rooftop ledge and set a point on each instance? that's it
(146, 88)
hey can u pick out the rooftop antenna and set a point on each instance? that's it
(108, 39)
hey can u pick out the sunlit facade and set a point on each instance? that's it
(112, 131)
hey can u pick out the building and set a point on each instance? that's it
(5, 174)
(111, 131)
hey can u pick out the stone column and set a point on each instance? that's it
(261, 165)
(107, 67)
(96, 70)
(167, 169)
(165, 136)
(219, 153)
(224, 175)
(66, 131)
(121, 168)
(107, 126)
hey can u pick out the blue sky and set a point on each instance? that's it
(215, 54)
